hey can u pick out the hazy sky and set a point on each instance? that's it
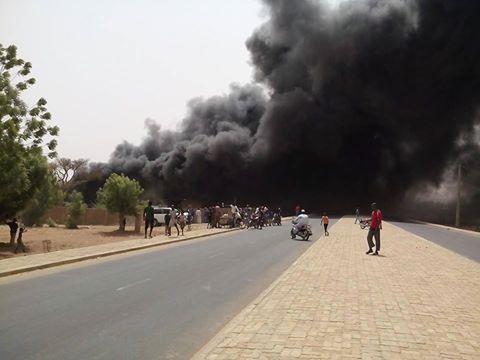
(104, 66)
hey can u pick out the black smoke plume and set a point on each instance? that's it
(351, 104)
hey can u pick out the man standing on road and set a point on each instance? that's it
(357, 215)
(374, 231)
(149, 218)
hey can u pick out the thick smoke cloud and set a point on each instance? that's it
(365, 102)
(207, 160)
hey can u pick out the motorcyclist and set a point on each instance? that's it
(300, 222)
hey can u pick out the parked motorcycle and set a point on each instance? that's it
(256, 222)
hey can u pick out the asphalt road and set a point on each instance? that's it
(157, 304)
(460, 242)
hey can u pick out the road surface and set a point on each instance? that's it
(461, 242)
(156, 304)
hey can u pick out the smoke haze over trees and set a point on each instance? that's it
(362, 102)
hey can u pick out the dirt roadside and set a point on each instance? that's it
(62, 239)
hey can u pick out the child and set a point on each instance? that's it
(325, 223)
(20, 245)
(182, 221)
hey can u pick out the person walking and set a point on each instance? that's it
(173, 220)
(375, 226)
(357, 215)
(189, 214)
(325, 221)
(168, 229)
(209, 213)
(217, 213)
(13, 225)
(149, 218)
(182, 220)
(20, 245)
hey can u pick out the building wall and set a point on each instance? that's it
(92, 216)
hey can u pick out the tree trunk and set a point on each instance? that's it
(138, 223)
(121, 222)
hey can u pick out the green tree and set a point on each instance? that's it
(24, 134)
(48, 194)
(120, 194)
(67, 171)
(76, 209)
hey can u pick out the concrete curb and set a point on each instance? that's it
(470, 232)
(104, 254)
(434, 244)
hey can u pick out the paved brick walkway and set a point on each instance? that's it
(38, 261)
(416, 301)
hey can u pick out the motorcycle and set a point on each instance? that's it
(304, 232)
(256, 222)
(364, 224)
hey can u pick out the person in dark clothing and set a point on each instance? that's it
(209, 217)
(297, 210)
(168, 229)
(13, 225)
(20, 245)
(357, 215)
(149, 218)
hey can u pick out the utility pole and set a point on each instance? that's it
(459, 193)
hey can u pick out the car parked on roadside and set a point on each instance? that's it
(159, 215)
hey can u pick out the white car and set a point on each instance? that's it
(159, 215)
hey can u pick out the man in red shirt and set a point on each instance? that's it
(374, 231)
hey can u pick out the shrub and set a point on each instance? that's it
(51, 223)
(76, 209)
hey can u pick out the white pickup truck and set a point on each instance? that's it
(159, 215)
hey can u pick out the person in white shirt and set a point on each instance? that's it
(300, 222)
(173, 219)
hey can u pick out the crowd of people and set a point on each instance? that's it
(247, 217)
(173, 218)
(220, 215)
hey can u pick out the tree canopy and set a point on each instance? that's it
(48, 194)
(24, 135)
(120, 194)
(67, 170)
